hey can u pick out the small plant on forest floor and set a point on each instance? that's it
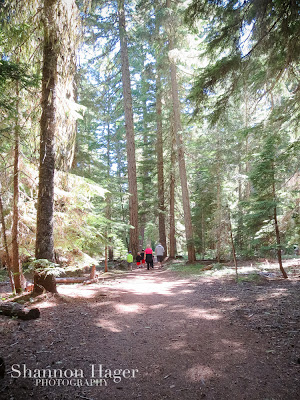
(186, 269)
(3, 275)
(253, 277)
(200, 270)
(46, 267)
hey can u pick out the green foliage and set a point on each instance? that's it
(46, 267)
(257, 40)
(253, 277)
(3, 275)
(246, 86)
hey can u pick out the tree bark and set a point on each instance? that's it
(232, 244)
(44, 235)
(19, 281)
(144, 197)
(160, 167)
(180, 152)
(129, 127)
(108, 201)
(219, 205)
(8, 261)
(277, 233)
(172, 194)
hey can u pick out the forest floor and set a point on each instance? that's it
(159, 334)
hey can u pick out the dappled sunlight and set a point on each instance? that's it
(128, 308)
(108, 325)
(47, 304)
(150, 285)
(157, 306)
(198, 313)
(198, 373)
(280, 292)
(227, 299)
(185, 291)
(79, 291)
(176, 344)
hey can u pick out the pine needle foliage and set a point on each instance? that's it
(240, 36)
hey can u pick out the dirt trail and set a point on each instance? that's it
(188, 339)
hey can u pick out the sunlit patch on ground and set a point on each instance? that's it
(280, 292)
(78, 290)
(148, 285)
(177, 344)
(108, 325)
(128, 308)
(198, 313)
(227, 299)
(198, 373)
(47, 304)
(158, 306)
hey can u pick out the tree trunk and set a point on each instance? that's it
(240, 220)
(180, 155)
(144, 197)
(219, 207)
(44, 235)
(203, 243)
(160, 167)
(130, 139)
(284, 274)
(232, 244)
(172, 194)
(19, 281)
(108, 201)
(8, 262)
(277, 233)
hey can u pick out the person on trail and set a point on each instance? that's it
(143, 257)
(138, 260)
(149, 257)
(129, 260)
(159, 252)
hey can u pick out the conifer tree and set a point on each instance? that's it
(129, 127)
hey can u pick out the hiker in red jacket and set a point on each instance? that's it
(149, 257)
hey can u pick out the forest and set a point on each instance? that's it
(125, 123)
(163, 127)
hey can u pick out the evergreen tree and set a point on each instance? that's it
(54, 52)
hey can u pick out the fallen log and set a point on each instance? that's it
(207, 268)
(89, 281)
(11, 309)
(78, 279)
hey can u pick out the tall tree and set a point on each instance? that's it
(180, 145)
(59, 48)
(160, 165)
(172, 240)
(129, 127)
(8, 261)
(16, 267)
(44, 231)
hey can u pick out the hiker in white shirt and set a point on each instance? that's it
(159, 252)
